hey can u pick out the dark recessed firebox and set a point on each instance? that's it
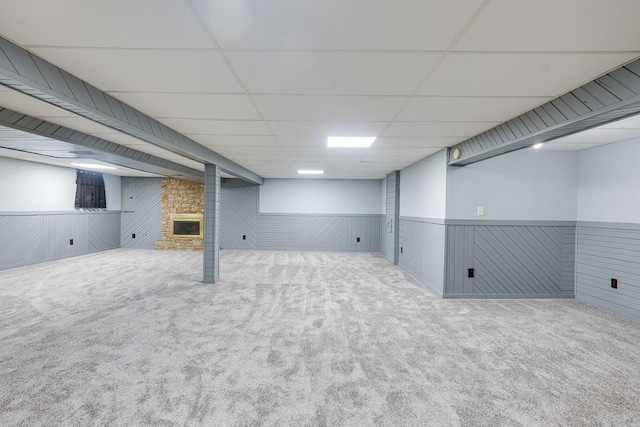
(185, 226)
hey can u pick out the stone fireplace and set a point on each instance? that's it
(182, 206)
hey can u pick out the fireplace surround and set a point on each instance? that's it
(179, 197)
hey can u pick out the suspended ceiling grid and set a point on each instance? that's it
(264, 85)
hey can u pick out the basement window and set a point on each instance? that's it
(90, 192)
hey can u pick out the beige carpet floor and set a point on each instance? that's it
(132, 337)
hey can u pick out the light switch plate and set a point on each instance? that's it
(480, 210)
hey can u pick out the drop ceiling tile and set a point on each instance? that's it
(302, 141)
(324, 129)
(215, 141)
(318, 24)
(628, 123)
(248, 158)
(551, 25)
(389, 164)
(390, 153)
(373, 169)
(289, 176)
(328, 153)
(25, 104)
(518, 74)
(264, 164)
(253, 158)
(466, 109)
(410, 158)
(437, 129)
(332, 73)
(277, 174)
(299, 141)
(217, 127)
(424, 142)
(191, 105)
(226, 150)
(114, 23)
(364, 175)
(328, 108)
(569, 146)
(143, 70)
(600, 135)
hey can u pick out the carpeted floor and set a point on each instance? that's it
(132, 337)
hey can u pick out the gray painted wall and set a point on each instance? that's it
(528, 260)
(38, 218)
(286, 231)
(238, 214)
(423, 188)
(608, 234)
(422, 244)
(321, 196)
(36, 187)
(32, 237)
(529, 184)
(319, 232)
(609, 183)
(608, 251)
(145, 220)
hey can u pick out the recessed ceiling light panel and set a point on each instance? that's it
(310, 172)
(350, 141)
(538, 145)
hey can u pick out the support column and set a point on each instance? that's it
(392, 218)
(211, 223)
(396, 221)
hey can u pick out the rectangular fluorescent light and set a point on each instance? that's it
(310, 172)
(350, 141)
(92, 166)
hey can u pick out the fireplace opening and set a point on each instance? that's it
(185, 226)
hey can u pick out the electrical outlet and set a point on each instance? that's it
(358, 239)
(71, 241)
(471, 273)
(401, 249)
(614, 283)
(133, 235)
(244, 237)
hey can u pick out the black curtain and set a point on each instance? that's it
(90, 190)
